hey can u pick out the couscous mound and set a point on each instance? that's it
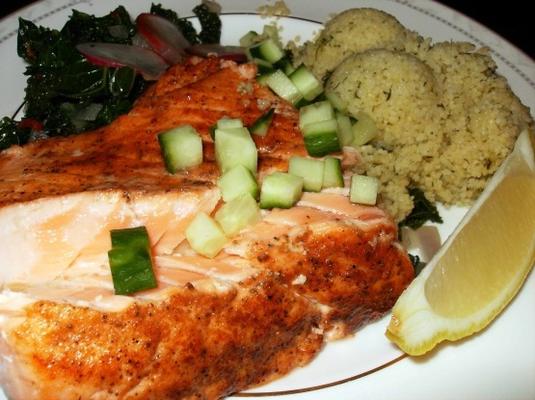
(446, 118)
(367, 29)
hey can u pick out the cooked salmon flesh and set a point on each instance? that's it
(266, 304)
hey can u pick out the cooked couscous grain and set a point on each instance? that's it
(354, 31)
(446, 118)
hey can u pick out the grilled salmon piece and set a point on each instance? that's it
(343, 257)
(262, 307)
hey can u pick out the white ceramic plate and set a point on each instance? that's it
(498, 363)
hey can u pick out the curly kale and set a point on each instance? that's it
(65, 94)
(185, 26)
(12, 133)
(422, 212)
(62, 86)
(210, 24)
(209, 20)
(116, 27)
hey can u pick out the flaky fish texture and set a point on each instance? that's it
(265, 305)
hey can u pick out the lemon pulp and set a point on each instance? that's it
(480, 268)
(501, 229)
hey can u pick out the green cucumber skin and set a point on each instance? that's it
(129, 237)
(211, 131)
(267, 50)
(130, 261)
(319, 145)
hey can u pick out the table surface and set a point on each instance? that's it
(511, 20)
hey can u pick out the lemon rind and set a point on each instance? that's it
(414, 326)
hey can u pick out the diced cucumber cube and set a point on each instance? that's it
(267, 50)
(130, 237)
(321, 138)
(181, 148)
(335, 100)
(316, 112)
(249, 39)
(311, 170)
(332, 173)
(261, 126)
(345, 130)
(234, 147)
(283, 86)
(364, 189)
(237, 181)
(280, 190)
(364, 130)
(237, 214)
(130, 261)
(309, 86)
(229, 123)
(205, 236)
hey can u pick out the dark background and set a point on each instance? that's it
(511, 19)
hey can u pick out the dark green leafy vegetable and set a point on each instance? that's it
(210, 24)
(116, 27)
(64, 91)
(33, 41)
(65, 94)
(417, 264)
(422, 212)
(12, 133)
(130, 261)
(185, 26)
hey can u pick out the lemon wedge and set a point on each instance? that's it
(481, 266)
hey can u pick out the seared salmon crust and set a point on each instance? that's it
(265, 305)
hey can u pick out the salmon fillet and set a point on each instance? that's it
(265, 305)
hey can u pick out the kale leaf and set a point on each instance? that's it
(116, 27)
(422, 212)
(210, 24)
(12, 133)
(209, 20)
(63, 89)
(65, 94)
(34, 41)
(185, 26)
